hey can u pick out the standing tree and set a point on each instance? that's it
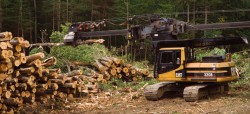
(1, 15)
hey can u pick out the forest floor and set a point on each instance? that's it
(115, 102)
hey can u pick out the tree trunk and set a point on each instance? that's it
(188, 7)
(1, 16)
(67, 11)
(194, 17)
(59, 15)
(20, 21)
(35, 9)
(205, 33)
(53, 19)
(92, 9)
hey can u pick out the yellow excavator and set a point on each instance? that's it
(175, 63)
(178, 70)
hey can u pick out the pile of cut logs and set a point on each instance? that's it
(27, 79)
(116, 68)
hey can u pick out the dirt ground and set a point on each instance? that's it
(115, 102)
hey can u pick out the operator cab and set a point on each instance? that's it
(169, 60)
(172, 60)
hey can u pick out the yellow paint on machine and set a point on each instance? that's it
(171, 75)
(218, 79)
(210, 65)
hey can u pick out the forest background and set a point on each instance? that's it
(44, 21)
(37, 19)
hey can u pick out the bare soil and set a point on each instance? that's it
(237, 102)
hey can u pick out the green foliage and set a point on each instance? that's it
(213, 33)
(82, 53)
(37, 50)
(57, 36)
(243, 65)
(218, 51)
(204, 52)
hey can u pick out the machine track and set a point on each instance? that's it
(195, 92)
(191, 93)
(156, 91)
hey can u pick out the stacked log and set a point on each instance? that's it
(112, 67)
(27, 79)
(24, 79)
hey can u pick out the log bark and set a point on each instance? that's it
(16, 40)
(6, 35)
(49, 62)
(27, 70)
(25, 44)
(74, 73)
(36, 63)
(33, 57)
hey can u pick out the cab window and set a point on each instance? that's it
(167, 57)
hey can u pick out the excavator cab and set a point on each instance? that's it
(171, 61)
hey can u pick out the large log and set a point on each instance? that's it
(105, 63)
(25, 44)
(3, 45)
(10, 53)
(17, 62)
(33, 57)
(25, 79)
(6, 35)
(49, 62)
(16, 40)
(10, 46)
(74, 73)
(18, 48)
(4, 54)
(100, 67)
(27, 70)
(58, 81)
(70, 85)
(116, 60)
(37, 63)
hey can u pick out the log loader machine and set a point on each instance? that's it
(175, 63)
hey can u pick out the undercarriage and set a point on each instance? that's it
(191, 92)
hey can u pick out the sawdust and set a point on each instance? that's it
(116, 102)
